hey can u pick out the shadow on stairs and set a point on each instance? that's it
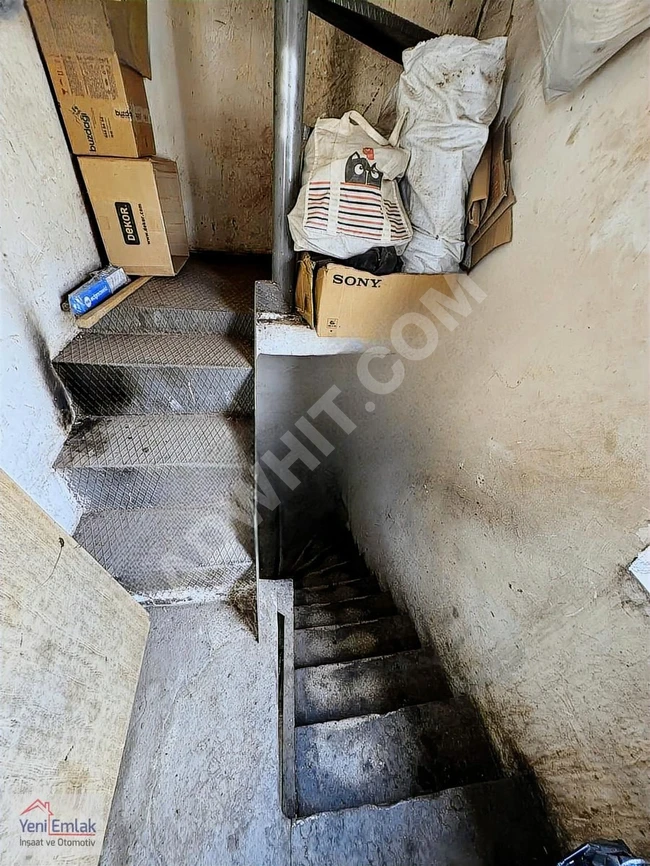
(391, 768)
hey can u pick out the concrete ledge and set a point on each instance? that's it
(283, 334)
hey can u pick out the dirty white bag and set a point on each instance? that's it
(448, 95)
(578, 36)
(349, 201)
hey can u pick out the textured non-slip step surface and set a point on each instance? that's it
(144, 461)
(335, 593)
(370, 685)
(341, 612)
(143, 374)
(386, 758)
(128, 441)
(147, 350)
(154, 550)
(339, 643)
(212, 294)
(495, 823)
(210, 487)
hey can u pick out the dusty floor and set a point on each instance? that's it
(199, 779)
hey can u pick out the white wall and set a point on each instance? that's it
(503, 488)
(46, 249)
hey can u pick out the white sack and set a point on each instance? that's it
(578, 36)
(448, 95)
(349, 201)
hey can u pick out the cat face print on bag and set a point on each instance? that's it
(358, 170)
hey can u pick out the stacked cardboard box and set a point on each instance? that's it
(97, 56)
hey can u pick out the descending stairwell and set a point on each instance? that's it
(391, 768)
(163, 391)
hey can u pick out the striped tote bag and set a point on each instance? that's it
(350, 199)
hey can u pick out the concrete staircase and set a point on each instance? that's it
(163, 392)
(391, 768)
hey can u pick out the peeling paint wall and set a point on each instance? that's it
(211, 100)
(503, 488)
(46, 248)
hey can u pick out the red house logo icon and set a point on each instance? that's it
(40, 819)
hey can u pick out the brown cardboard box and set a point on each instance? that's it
(102, 100)
(128, 19)
(338, 301)
(139, 209)
(490, 199)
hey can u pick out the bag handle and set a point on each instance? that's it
(397, 129)
(353, 116)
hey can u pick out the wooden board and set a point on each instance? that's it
(71, 646)
(92, 316)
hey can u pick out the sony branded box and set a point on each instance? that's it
(338, 301)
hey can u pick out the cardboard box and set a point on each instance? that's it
(139, 209)
(102, 100)
(129, 24)
(490, 199)
(338, 301)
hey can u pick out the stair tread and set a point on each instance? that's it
(496, 822)
(343, 612)
(162, 548)
(337, 643)
(365, 686)
(213, 294)
(219, 284)
(386, 758)
(339, 592)
(122, 441)
(332, 577)
(156, 350)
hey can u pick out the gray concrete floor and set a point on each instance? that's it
(199, 782)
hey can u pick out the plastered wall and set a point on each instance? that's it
(502, 489)
(211, 99)
(46, 248)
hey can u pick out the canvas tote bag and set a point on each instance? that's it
(350, 201)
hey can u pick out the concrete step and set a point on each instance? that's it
(161, 555)
(211, 295)
(370, 685)
(341, 612)
(332, 576)
(145, 461)
(340, 643)
(386, 758)
(336, 592)
(142, 374)
(497, 823)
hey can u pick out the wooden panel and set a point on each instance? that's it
(87, 320)
(211, 100)
(71, 645)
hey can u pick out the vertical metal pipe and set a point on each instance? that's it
(288, 98)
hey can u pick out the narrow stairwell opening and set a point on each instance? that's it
(391, 767)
